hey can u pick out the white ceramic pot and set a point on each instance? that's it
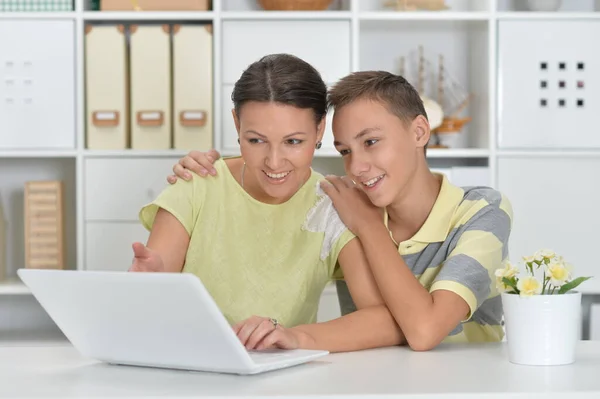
(544, 5)
(542, 330)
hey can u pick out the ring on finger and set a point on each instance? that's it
(274, 321)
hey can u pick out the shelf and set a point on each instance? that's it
(134, 153)
(37, 15)
(543, 153)
(38, 153)
(440, 153)
(423, 15)
(286, 15)
(148, 15)
(526, 15)
(13, 287)
(457, 153)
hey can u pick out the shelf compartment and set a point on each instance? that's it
(452, 6)
(464, 46)
(424, 16)
(254, 6)
(13, 175)
(148, 15)
(566, 7)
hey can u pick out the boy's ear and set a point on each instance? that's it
(421, 131)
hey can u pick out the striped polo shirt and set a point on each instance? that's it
(458, 248)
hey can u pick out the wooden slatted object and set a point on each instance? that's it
(44, 225)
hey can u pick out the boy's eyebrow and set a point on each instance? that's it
(360, 134)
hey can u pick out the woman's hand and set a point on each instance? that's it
(145, 259)
(195, 161)
(257, 333)
(352, 204)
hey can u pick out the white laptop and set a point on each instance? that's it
(166, 320)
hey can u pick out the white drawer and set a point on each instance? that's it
(108, 245)
(37, 84)
(116, 189)
(247, 41)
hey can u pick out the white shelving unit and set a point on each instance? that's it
(367, 36)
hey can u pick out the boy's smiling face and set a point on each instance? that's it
(380, 151)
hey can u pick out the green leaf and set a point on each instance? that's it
(512, 282)
(572, 284)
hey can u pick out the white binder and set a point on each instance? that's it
(150, 76)
(193, 88)
(107, 120)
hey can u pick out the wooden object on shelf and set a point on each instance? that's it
(295, 5)
(413, 5)
(154, 5)
(44, 225)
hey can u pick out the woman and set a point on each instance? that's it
(435, 250)
(255, 234)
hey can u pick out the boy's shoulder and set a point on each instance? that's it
(484, 196)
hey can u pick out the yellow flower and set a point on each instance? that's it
(529, 286)
(559, 273)
(508, 271)
(546, 253)
(528, 259)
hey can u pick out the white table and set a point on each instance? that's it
(53, 370)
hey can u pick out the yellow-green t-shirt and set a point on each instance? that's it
(256, 258)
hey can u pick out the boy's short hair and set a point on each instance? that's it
(394, 91)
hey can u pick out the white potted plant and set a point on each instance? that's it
(542, 311)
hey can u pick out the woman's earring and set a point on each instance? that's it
(239, 141)
(318, 145)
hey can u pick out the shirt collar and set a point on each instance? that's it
(439, 222)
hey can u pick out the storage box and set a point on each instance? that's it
(44, 225)
(154, 5)
(36, 5)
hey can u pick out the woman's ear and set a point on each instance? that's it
(236, 121)
(321, 129)
(421, 130)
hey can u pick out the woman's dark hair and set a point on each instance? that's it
(282, 78)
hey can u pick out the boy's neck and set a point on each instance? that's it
(408, 213)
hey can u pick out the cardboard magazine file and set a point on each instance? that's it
(150, 76)
(107, 120)
(193, 87)
(44, 225)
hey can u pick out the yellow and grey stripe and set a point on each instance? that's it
(463, 241)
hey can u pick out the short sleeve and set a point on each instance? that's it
(481, 246)
(179, 199)
(337, 247)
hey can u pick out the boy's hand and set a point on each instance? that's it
(199, 162)
(145, 259)
(352, 204)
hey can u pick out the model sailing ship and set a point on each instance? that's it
(451, 99)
